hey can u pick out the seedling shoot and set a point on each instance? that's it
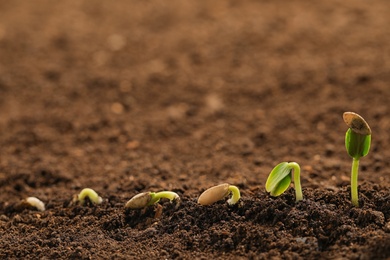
(357, 143)
(146, 199)
(91, 194)
(36, 203)
(219, 192)
(280, 178)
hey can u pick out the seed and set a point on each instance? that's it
(139, 201)
(356, 123)
(214, 194)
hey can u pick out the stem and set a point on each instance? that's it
(91, 194)
(235, 195)
(155, 197)
(297, 180)
(354, 182)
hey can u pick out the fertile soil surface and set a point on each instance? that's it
(132, 96)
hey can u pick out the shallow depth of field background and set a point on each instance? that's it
(129, 96)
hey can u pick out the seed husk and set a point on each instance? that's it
(356, 123)
(139, 201)
(214, 194)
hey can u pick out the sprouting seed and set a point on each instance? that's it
(36, 203)
(219, 192)
(146, 199)
(357, 143)
(91, 194)
(280, 178)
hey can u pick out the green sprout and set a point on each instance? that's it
(90, 194)
(357, 143)
(146, 199)
(219, 192)
(280, 178)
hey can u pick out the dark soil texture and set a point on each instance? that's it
(131, 96)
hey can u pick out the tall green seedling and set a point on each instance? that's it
(357, 143)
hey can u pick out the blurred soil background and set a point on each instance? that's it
(130, 96)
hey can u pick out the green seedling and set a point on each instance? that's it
(219, 192)
(146, 199)
(90, 194)
(35, 202)
(357, 143)
(280, 178)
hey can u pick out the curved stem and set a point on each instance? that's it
(235, 195)
(155, 197)
(354, 182)
(91, 194)
(297, 180)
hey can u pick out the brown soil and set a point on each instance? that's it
(131, 96)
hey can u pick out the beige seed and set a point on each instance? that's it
(139, 201)
(214, 194)
(356, 123)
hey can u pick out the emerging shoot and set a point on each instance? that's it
(146, 199)
(36, 203)
(219, 192)
(357, 143)
(280, 178)
(91, 194)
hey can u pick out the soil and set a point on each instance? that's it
(132, 96)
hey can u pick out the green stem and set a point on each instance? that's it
(354, 182)
(297, 180)
(235, 195)
(91, 194)
(155, 197)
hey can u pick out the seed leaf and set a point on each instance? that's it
(279, 179)
(282, 187)
(357, 145)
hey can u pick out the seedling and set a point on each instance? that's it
(219, 192)
(357, 143)
(146, 199)
(36, 203)
(280, 178)
(91, 194)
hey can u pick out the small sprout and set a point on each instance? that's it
(357, 143)
(280, 178)
(36, 203)
(146, 199)
(219, 192)
(90, 194)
